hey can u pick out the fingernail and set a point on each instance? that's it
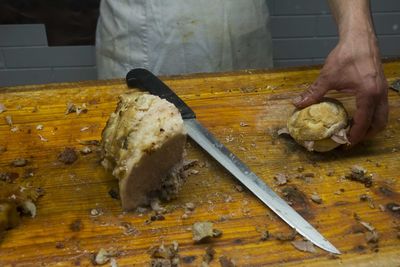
(297, 100)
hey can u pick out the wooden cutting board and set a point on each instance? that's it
(244, 110)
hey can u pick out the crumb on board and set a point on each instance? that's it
(9, 120)
(359, 174)
(393, 207)
(2, 108)
(280, 179)
(157, 217)
(217, 233)
(59, 245)
(316, 198)
(114, 193)
(165, 256)
(332, 256)
(190, 206)
(76, 225)
(204, 231)
(39, 127)
(129, 229)
(238, 188)
(366, 198)
(307, 177)
(89, 142)
(208, 256)
(330, 173)
(85, 150)
(8, 177)
(103, 256)
(372, 237)
(286, 236)
(96, 212)
(43, 139)
(226, 262)
(68, 156)
(72, 108)
(155, 205)
(20, 162)
(264, 235)
(28, 207)
(17, 200)
(368, 226)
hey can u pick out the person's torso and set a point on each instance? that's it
(185, 36)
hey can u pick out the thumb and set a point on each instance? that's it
(312, 95)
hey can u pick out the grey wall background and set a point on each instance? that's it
(303, 33)
(25, 58)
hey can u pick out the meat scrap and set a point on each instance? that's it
(16, 200)
(372, 236)
(226, 262)
(281, 179)
(165, 256)
(203, 231)
(114, 193)
(2, 108)
(393, 207)
(264, 235)
(9, 120)
(359, 174)
(21, 162)
(208, 257)
(305, 246)
(285, 236)
(8, 177)
(85, 150)
(68, 156)
(89, 142)
(366, 198)
(104, 256)
(72, 108)
(238, 187)
(316, 198)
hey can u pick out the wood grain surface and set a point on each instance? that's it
(244, 110)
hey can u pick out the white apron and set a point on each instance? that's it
(182, 36)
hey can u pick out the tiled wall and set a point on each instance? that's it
(303, 34)
(25, 58)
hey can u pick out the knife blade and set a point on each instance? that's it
(144, 79)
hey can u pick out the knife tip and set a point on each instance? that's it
(330, 248)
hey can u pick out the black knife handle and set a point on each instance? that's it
(144, 79)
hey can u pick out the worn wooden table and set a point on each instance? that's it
(243, 110)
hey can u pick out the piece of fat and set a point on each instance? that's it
(143, 146)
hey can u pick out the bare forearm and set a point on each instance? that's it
(354, 66)
(352, 17)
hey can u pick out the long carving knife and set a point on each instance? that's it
(144, 79)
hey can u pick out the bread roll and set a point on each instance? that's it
(320, 127)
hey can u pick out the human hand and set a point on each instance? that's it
(354, 67)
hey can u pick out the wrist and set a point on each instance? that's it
(357, 31)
